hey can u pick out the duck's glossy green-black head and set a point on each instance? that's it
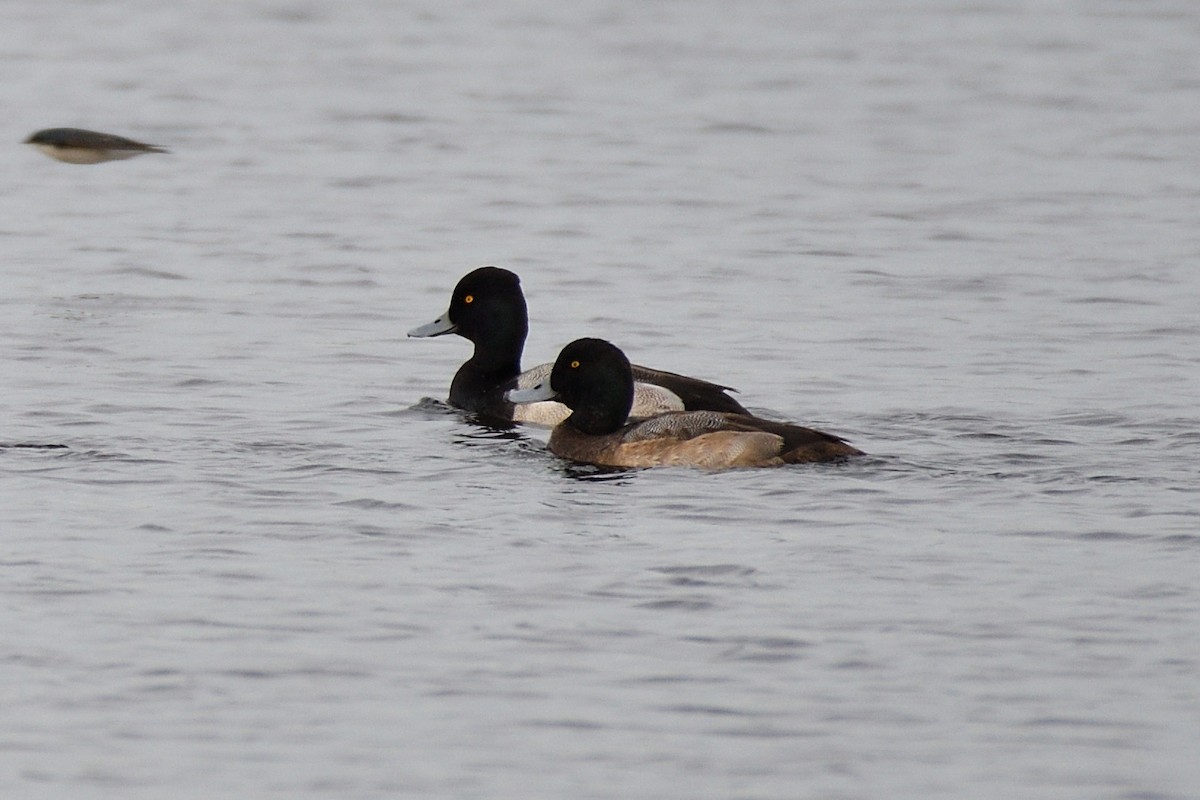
(593, 378)
(487, 305)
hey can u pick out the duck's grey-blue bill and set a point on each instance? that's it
(439, 327)
(534, 394)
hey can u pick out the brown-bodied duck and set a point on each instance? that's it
(594, 379)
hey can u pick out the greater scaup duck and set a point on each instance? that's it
(78, 146)
(594, 379)
(488, 308)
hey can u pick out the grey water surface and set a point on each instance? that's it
(247, 553)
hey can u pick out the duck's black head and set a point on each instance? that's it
(488, 304)
(593, 378)
(488, 308)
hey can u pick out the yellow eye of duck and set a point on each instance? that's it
(574, 365)
(469, 299)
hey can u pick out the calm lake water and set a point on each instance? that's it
(246, 553)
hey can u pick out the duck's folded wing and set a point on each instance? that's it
(679, 426)
(696, 394)
(692, 424)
